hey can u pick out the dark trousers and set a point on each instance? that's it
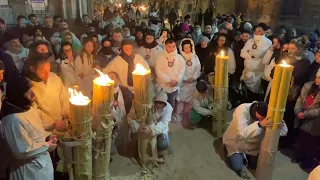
(172, 98)
(308, 146)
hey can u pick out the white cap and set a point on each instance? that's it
(161, 96)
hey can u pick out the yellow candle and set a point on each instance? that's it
(282, 93)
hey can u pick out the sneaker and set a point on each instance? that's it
(243, 174)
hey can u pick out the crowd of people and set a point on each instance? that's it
(39, 62)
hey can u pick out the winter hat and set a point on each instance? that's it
(185, 27)
(202, 86)
(223, 26)
(318, 73)
(204, 38)
(247, 26)
(126, 42)
(262, 108)
(161, 97)
(1, 66)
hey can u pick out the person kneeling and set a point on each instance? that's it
(202, 105)
(161, 127)
(245, 133)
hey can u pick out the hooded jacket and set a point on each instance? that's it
(193, 71)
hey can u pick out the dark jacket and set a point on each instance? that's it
(172, 17)
(48, 32)
(313, 71)
(239, 63)
(300, 72)
(12, 71)
(202, 54)
(104, 60)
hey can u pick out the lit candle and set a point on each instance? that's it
(102, 123)
(81, 129)
(143, 101)
(220, 98)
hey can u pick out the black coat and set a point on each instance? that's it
(301, 71)
(313, 71)
(12, 71)
(239, 61)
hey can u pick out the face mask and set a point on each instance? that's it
(106, 50)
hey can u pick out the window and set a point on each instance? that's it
(290, 8)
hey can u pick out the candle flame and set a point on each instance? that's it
(140, 70)
(77, 98)
(284, 64)
(103, 79)
(221, 53)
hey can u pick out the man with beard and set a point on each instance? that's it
(170, 68)
(84, 25)
(139, 36)
(208, 31)
(106, 54)
(48, 29)
(127, 33)
(125, 63)
(150, 50)
(91, 30)
(253, 52)
(27, 140)
(117, 38)
(57, 37)
(34, 23)
(14, 57)
(292, 33)
(52, 98)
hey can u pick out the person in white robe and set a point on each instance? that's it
(161, 127)
(170, 68)
(125, 64)
(27, 141)
(84, 68)
(191, 74)
(253, 52)
(162, 39)
(52, 98)
(150, 51)
(67, 65)
(245, 133)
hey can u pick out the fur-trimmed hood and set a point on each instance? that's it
(183, 54)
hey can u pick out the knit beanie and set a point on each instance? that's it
(204, 39)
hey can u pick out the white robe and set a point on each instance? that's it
(85, 68)
(244, 135)
(19, 59)
(154, 53)
(165, 73)
(69, 74)
(253, 68)
(52, 99)
(120, 66)
(201, 103)
(193, 71)
(163, 117)
(25, 136)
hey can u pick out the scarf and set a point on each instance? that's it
(13, 49)
(151, 45)
(140, 42)
(131, 66)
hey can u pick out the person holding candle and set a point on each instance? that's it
(125, 63)
(161, 127)
(245, 133)
(84, 67)
(307, 110)
(192, 73)
(253, 52)
(24, 135)
(170, 68)
(150, 50)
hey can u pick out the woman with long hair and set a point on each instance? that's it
(84, 66)
(307, 110)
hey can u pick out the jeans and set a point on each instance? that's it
(236, 161)
(172, 98)
(163, 141)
